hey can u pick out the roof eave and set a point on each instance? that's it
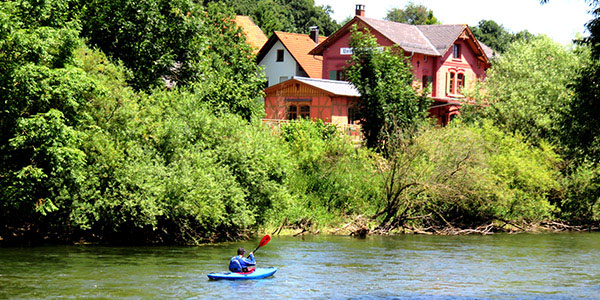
(266, 47)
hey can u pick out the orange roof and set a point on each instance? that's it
(254, 35)
(299, 45)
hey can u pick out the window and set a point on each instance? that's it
(424, 81)
(336, 75)
(305, 112)
(460, 82)
(279, 54)
(456, 51)
(292, 112)
(352, 115)
(283, 78)
(333, 75)
(455, 82)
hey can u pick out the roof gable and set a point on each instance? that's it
(441, 37)
(330, 87)
(298, 45)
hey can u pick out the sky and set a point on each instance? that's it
(561, 20)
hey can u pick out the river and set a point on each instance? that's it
(522, 266)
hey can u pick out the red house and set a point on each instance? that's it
(448, 57)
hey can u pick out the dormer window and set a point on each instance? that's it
(456, 51)
(279, 54)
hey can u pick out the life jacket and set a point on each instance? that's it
(235, 265)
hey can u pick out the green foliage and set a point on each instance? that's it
(497, 37)
(581, 204)
(384, 79)
(415, 14)
(178, 43)
(528, 89)
(581, 122)
(466, 176)
(183, 173)
(53, 172)
(285, 15)
(42, 93)
(331, 176)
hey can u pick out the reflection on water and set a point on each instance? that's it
(524, 266)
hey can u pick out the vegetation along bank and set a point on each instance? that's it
(94, 147)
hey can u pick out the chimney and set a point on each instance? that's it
(360, 10)
(314, 34)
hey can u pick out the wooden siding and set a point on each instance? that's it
(329, 108)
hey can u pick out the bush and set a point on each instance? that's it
(581, 204)
(468, 175)
(332, 178)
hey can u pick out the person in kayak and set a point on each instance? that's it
(241, 264)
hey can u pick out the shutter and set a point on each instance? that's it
(447, 83)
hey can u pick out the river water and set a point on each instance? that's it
(523, 266)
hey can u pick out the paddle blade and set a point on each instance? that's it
(264, 240)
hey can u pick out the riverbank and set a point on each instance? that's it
(360, 226)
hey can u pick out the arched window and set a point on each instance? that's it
(455, 82)
(292, 112)
(460, 82)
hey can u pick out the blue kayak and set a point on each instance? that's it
(259, 273)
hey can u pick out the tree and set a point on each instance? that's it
(496, 36)
(384, 79)
(412, 14)
(285, 15)
(42, 91)
(180, 42)
(492, 34)
(529, 87)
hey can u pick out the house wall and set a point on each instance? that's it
(274, 69)
(467, 64)
(423, 66)
(334, 60)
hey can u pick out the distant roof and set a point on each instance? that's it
(488, 51)
(254, 35)
(334, 87)
(298, 45)
(434, 40)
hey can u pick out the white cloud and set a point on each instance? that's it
(559, 19)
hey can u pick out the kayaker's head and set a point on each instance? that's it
(241, 251)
